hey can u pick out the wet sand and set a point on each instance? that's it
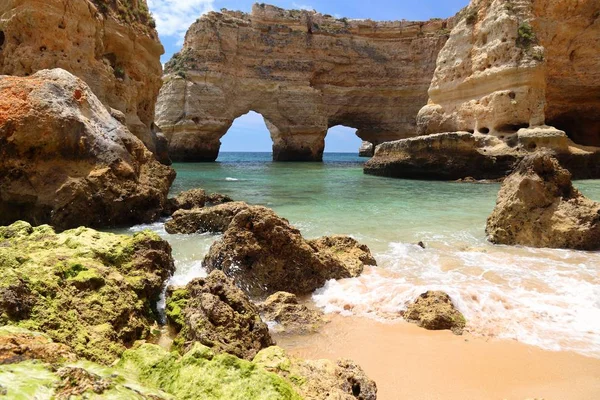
(408, 362)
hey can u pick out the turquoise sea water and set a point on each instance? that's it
(549, 298)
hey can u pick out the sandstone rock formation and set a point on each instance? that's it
(353, 254)
(66, 161)
(508, 68)
(188, 200)
(434, 310)
(538, 206)
(111, 45)
(367, 149)
(212, 219)
(94, 292)
(214, 312)
(18, 345)
(457, 155)
(289, 315)
(264, 254)
(304, 72)
(319, 379)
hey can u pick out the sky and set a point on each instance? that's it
(249, 132)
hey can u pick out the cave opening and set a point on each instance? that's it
(511, 128)
(2, 39)
(584, 130)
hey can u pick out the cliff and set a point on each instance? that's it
(110, 44)
(516, 75)
(304, 72)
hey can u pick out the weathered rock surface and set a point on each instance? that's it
(367, 149)
(538, 206)
(319, 379)
(18, 345)
(264, 254)
(214, 312)
(211, 219)
(66, 161)
(94, 292)
(188, 200)
(304, 72)
(289, 315)
(348, 250)
(434, 310)
(111, 45)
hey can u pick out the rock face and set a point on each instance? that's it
(367, 149)
(319, 379)
(94, 292)
(289, 315)
(19, 345)
(212, 219)
(457, 155)
(111, 45)
(434, 310)
(264, 254)
(304, 72)
(508, 69)
(538, 206)
(66, 161)
(214, 312)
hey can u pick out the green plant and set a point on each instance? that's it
(119, 72)
(471, 16)
(525, 35)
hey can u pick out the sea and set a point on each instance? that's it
(543, 297)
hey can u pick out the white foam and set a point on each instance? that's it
(547, 298)
(228, 179)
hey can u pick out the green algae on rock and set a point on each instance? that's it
(95, 292)
(214, 312)
(202, 374)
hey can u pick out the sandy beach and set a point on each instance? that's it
(408, 362)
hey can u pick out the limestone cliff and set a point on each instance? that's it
(304, 72)
(110, 44)
(510, 64)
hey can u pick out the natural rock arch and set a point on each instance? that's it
(304, 72)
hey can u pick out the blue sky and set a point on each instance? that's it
(249, 133)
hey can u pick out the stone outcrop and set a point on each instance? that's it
(458, 155)
(64, 160)
(434, 310)
(211, 219)
(264, 254)
(538, 206)
(111, 45)
(304, 72)
(214, 312)
(18, 345)
(94, 292)
(319, 379)
(289, 315)
(508, 69)
(188, 200)
(353, 254)
(367, 149)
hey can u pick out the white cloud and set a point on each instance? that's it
(174, 17)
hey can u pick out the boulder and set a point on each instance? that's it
(348, 250)
(64, 160)
(367, 149)
(18, 345)
(289, 315)
(434, 310)
(111, 45)
(218, 198)
(264, 254)
(188, 200)
(214, 312)
(211, 219)
(538, 206)
(94, 292)
(319, 379)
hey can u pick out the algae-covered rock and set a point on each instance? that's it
(202, 374)
(289, 315)
(319, 379)
(353, 254)
(214, 312)
(434, 310)
(95, 292)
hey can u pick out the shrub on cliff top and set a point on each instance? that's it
(525, 35)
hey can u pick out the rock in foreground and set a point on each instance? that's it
(64, 160)
(94, 292)
(319, 379)
(214, 312)
(289, 315)
(264, 254)
(212, 219)
(538, 206)
(434, 310)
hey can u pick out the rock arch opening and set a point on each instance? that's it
(247, 133)
(342, 139)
